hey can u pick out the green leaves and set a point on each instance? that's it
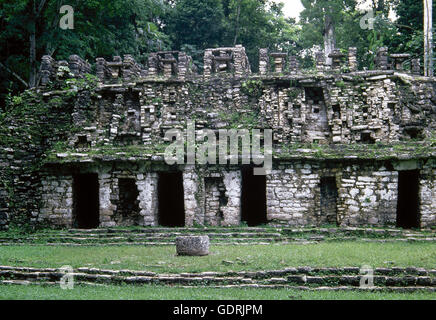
(253, 88)
(102, 28)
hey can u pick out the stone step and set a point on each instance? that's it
(260, 274)
(341, 288)
(155, 235)
(284, 230)
(143, 240)
(247, 286)
(218, 235)
(181, 229)
(353, 280)
(357, 231)
(253, 235)
(235, 232)
(171, 241)
(205, 280)
(102, 244)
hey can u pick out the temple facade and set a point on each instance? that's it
(349, 147)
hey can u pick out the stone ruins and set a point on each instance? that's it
(351, 147)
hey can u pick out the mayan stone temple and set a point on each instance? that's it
(350, 147)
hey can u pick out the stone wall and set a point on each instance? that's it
(148, 202)
(375, 110)
(192, 196)
(108, 197)
(32, 124)
(373, 106)
(232, 210)
(5, 157)
(291, 194)
(428, 198)
(57, 205)
(298, 193)
(367, 195)
(57, 200)
(215, 201)
(211, 197)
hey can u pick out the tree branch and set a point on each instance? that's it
(403, 26)
(40, 8)
(15, 75)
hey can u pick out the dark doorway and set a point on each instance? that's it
(365, 138)
(314, 94)
(86, 201)
(253, 198)
(329, 198)
(171, 199)
(408, 199)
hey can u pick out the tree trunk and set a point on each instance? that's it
(32, 55)
(428, 38)
(329, 38)
(381, 6)
(36, 13)
(238, 14)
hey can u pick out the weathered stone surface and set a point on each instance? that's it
(192, 245)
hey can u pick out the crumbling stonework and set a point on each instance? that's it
(291, 193)
(147, 186)
(367, 195)
(57, 200)
(427, 197)
(341, 137)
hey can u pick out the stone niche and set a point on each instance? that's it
(215, 200)
(126, 127)
(231, 60)
(317, 126)
(171, 64)
(128, 211)
(329, 199)
(129, 199)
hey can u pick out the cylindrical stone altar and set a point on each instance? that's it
(192, 246)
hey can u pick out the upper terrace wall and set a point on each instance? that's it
(217, 61)
(334, 104)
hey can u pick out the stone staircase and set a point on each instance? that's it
(305, 278)
(218, 236)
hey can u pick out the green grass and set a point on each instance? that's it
(224, 258)
(148, 292)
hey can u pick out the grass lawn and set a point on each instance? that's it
(148, 292)
(162, 259)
